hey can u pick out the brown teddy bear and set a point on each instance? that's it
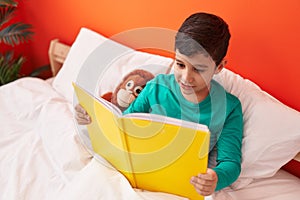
(129, 88)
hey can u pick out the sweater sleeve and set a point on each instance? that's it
(229, 144)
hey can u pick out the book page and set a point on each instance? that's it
(105, 103)
(166, 119)
(110, 106)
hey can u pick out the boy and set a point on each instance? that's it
(192, 95)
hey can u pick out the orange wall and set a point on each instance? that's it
(265, 33)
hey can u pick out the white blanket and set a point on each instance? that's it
(42, 156)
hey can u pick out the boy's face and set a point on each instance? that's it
(193, 74)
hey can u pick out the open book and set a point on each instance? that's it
(155, 153)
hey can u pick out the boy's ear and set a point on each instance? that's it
(220, 66)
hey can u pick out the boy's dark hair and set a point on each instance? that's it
(203, 33)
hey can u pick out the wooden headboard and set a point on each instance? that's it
(57, 55)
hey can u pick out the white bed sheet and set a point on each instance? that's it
(42, 156)
(282, 186)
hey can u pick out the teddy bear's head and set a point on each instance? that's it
(129, 88)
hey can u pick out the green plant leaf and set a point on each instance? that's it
(10, 67)
(36, 72)
(8, 3)
(16, 33)
(13, 34)
(6, 14)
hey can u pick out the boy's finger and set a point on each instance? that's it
(209, 175)
(82, 115)
(80, 109)
(204, 182)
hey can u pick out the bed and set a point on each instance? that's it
(46, 155)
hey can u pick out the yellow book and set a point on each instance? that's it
(155, 153)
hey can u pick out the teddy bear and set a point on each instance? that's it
(129, 88)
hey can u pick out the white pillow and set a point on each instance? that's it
(271, 129)
(85, 42)
(92, 59)
(129, 62)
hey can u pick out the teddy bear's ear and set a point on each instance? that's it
(107, 96)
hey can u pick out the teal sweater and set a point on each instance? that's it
(220, 111)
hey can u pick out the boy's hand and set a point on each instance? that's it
(205, 184)
(81, 115)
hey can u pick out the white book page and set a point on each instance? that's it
(110, 106)
(106, 104)
(167, 120)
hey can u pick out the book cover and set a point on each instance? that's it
(155, 153)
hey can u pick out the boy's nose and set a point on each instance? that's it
(187, 75)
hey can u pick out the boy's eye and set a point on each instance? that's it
(181, 65)
(199, 70)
